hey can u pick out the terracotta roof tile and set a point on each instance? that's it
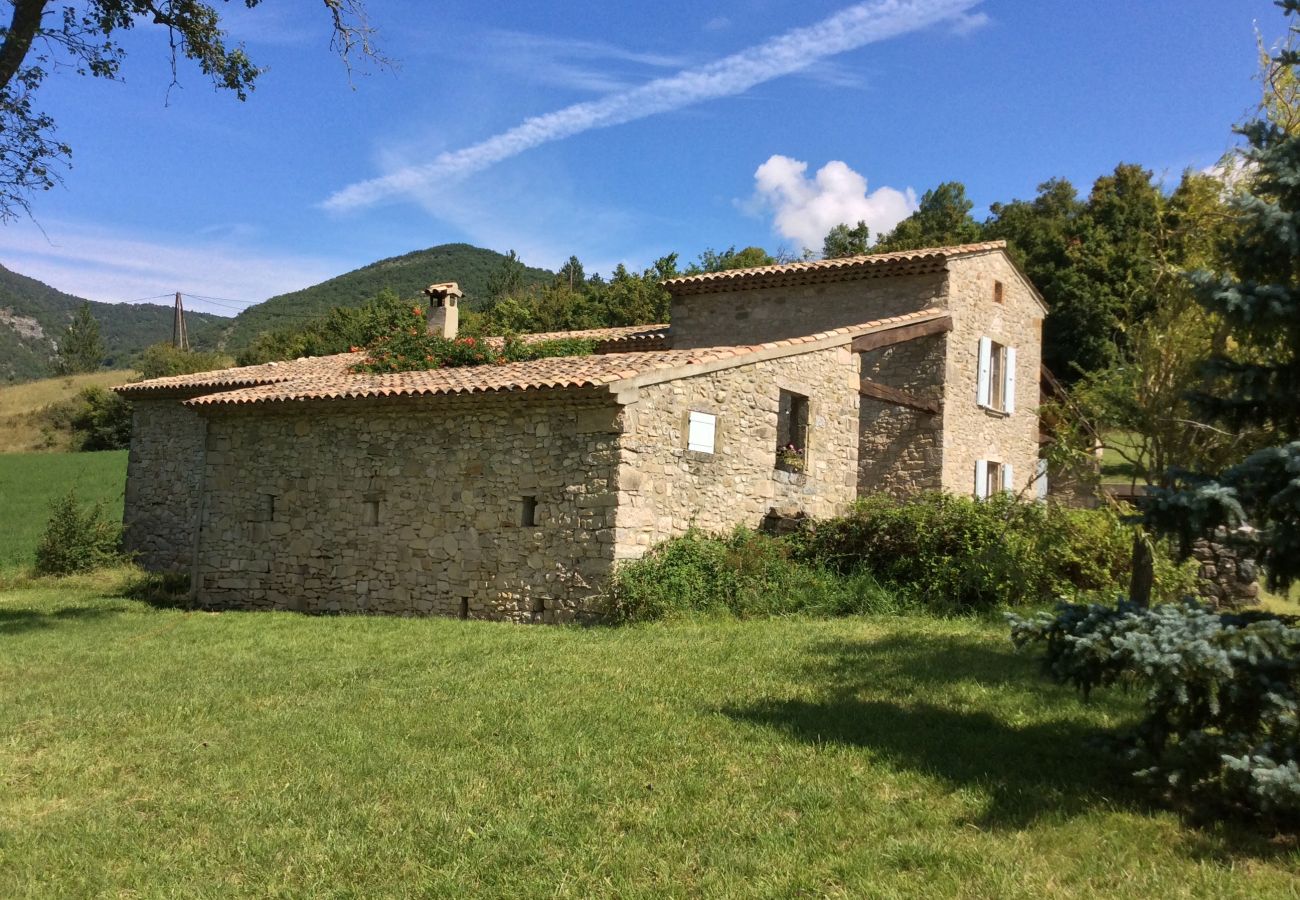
(901, 262)
(608, 340)
(555, 373)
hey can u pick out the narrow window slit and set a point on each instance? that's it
(528, 512)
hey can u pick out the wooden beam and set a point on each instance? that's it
(903, 333)
(886, 394)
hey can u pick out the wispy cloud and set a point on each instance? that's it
(570, 63)
(805, 208)
(794, 51)
(108, 265)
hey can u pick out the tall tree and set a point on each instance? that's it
(714, 261)
(842, 241)
(942, 219)
(1256, 377)
(81, 349)
(572, 275)
(507, 280)
(44, 38)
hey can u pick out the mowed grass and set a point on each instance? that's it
(21, 404)
(29, 481)
(160, 753)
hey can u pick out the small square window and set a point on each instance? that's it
(702, 432)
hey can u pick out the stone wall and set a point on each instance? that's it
(970, 432)
(770, 314)
(665, 488)
(413, 507)
(901, 449)
(1228, 578)
(162, 484)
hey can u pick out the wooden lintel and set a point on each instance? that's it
(886, 394)
(903, 333)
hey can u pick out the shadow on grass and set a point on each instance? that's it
(906, 699)
(16, 621)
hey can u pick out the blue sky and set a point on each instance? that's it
(617, 134)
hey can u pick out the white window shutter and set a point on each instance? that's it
(1009, 386)
(1008, 478)
(981, 478)
(1040, 479)
(982, 387)
(701, 432)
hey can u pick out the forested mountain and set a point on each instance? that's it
(407, 275)
(33, 315)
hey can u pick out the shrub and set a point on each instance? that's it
(743, 574)
(164, 360)
(1220, 730)
(955, 553)
(411, 348)
(77, 539)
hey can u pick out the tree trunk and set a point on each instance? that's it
(18, 39)
(1144, 570)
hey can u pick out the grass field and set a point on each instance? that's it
(159, 753)
(20, 405)
(29, 481)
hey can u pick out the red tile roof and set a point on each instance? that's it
(904, 262)
(556, 373)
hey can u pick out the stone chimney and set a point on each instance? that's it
(444, 318)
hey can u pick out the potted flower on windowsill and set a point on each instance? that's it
(790, 458)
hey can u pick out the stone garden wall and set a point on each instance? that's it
(162, 484)
(412, 508)
(666, 488)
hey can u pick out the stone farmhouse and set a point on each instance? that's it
(511, 491)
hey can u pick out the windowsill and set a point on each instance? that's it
(996, 413)
(699, 455)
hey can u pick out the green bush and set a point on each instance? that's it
(744, 574)
(1220, 731)
(955, 553)
(410, 348)
(164, 360)
(77, 539)
(95, 419)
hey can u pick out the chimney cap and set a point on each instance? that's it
(443, 290)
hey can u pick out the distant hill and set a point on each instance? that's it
(407, 275)
(33, 315)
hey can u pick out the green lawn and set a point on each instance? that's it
(151, 753)
(29, 481)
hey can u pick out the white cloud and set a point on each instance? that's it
(794, 51)
(107, 265)
(805, 208)
(568, 63)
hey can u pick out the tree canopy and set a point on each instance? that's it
(81, 37)
(81, 349)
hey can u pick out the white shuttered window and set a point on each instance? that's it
(702, 432)
(996, 380)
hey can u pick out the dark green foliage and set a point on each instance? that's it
(101, 420)
(744, 573)
(942, 219)
(344, 328)
(1254, 379)
(410, 348)
(842, 241)
(955, 553)
(77, 539)
(164, 360)
(126, 328)
(405, 276)
(81, 349)
(1220, 728)
(724, 261)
